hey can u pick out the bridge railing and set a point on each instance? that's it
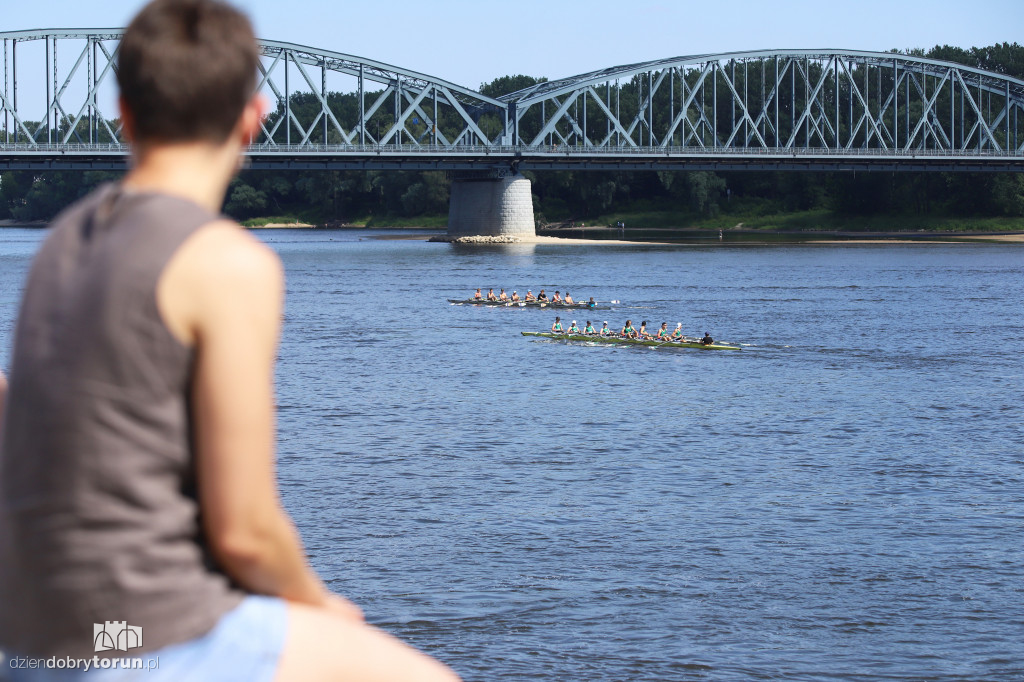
(514, 151)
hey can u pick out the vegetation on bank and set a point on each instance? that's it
(814, 220)
(784, 200)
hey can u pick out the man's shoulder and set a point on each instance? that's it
(223, 248)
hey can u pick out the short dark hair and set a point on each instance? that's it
(186, 70)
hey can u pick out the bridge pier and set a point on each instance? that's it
(491, 206)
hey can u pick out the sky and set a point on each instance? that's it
(470, 42)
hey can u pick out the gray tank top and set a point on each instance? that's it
(98, 514)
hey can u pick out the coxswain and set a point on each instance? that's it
(542, 296)
(557, 326)
(573, 329)
(515, 297)
(678, 335)
(556, 298)
(589, 329)
(605, 331)
(627, 330)
(662, 333)
(707, 340)
(478, 296)
(568, 299)
(491, 296)
(591, 303)
(530, 296)
(502, 296)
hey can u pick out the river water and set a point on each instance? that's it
(842, 499)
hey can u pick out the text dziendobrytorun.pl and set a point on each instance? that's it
(83, 664)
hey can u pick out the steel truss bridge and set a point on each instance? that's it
(763, 110)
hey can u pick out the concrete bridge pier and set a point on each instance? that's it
(491, 206)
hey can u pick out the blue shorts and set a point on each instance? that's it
(244, 646)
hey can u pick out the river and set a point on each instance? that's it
(842, 499)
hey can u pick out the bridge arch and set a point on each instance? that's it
(832, 100)
(388, 105)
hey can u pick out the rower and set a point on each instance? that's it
(707, 340)
(491, 296)
(677, 335)
(642, 334)
(557, 326)
(568, 299)
(662, 333)
(542, 296)
(573, 329)
(605, 331)
(589, 329)
(502, 296)
(530, 296)
(556, 298)
(627, 330)
(591, 303)
(515, 297)
(478, 296)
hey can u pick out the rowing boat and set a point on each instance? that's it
(630, 342)
(530, 304)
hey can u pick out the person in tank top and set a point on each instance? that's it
(556, 327)
(137, 482)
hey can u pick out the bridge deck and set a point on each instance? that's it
(505, 158)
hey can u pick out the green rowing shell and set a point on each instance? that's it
(630, 342)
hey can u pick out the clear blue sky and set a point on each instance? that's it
(469, 41)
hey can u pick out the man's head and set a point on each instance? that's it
(187, 71)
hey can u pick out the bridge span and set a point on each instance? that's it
(762, 110)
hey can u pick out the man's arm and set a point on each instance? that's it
(224, 292)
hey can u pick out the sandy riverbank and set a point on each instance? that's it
(995, 237)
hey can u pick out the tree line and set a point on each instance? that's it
(358, 196)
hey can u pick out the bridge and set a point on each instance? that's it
(762, 110)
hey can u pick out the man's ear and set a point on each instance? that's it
(127, 120)
(252, 115)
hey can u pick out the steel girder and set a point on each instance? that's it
(775, 108)
(834, 100)
(389, 105)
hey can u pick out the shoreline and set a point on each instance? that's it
(771, 237)
(925, 238)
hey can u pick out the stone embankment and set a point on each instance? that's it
(477, 239)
